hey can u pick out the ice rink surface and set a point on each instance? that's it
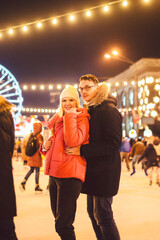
(136, 209)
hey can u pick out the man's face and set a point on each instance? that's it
(88, 90)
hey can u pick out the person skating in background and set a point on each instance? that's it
(35, 161)
(156, 144)
(102, 154)
(136, 151)
(19, 148)
(70, 127)
(24, 156)
(151, 161)
(124, 151)
(7, 193)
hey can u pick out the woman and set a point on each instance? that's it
(7, 193)
(70, 128)
(151, 161)
(35, 161)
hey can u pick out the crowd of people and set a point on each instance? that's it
(82, 155)
(142, 150)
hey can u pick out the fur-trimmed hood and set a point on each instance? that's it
(102, 95)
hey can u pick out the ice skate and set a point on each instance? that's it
(38, 189)
(22, 186)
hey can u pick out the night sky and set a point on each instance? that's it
(63, 53)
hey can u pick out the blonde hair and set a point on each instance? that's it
(5, 105)
(38, 123)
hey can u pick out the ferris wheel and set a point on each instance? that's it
(10, 89)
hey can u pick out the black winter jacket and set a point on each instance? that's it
(102, 153)
(151, 157)
(7, 193)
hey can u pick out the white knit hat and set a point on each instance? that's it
(70, 92)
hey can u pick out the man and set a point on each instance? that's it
(8, 208)
(136, 152)
(124, 151)
(102, 155)
(24, 156)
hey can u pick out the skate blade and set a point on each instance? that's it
(38, 192)
(21, 188)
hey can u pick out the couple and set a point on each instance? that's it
(83, 156)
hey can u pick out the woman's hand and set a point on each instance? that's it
(47, 144)
(74, 110)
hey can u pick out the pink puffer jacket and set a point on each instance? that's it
(70, 130)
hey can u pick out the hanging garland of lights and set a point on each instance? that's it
(54, 20)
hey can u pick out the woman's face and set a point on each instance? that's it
(68, 103)
(37, 128)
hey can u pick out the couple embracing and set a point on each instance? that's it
(83, 155)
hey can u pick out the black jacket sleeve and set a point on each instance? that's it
(110, 125)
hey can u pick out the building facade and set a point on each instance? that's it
(137, 90)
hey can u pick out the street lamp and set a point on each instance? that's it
(115, 55)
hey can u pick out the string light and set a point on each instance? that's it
(125, 3)
(25, 87)
(154, 113)
(54, 21)
(157, 87)
(88, 13)
(33, 87)
(42, 87)
(39, 25)
(39, 110)
(156, 99)
(72, 18)
(106, 8)
(10, 31)
(25, 28)
(50, 87)
(142, 84)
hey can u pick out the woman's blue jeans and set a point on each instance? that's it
(31, 171)
(64, 193)
(101, 215)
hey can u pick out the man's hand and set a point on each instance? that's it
(73, 150)
(47, 144)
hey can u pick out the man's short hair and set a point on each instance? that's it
(89, 77)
